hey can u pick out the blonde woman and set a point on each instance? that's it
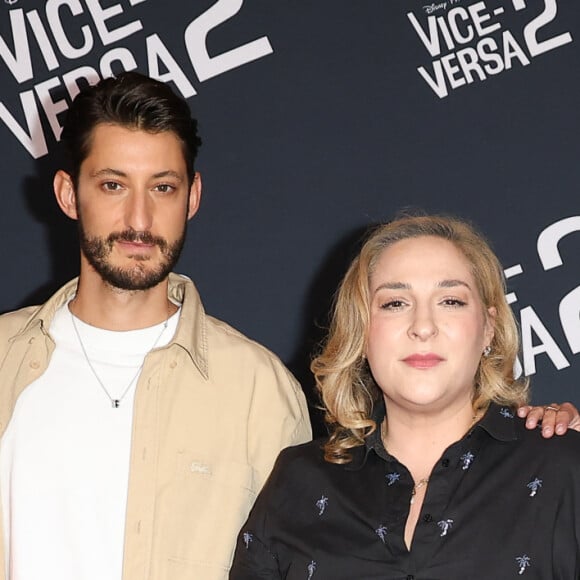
(428, 471)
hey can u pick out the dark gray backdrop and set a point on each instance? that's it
(304, 147)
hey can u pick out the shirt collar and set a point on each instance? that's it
(373, 442)
(191, 333)
(41, 317)
(498, 422)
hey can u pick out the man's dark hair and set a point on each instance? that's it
(134, 101)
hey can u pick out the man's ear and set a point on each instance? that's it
(194, 196)
(65, 194)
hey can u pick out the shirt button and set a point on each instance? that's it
(445, 462)
(173, 364)
(34, 364)
(427, 518)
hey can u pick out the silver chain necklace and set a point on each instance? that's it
(115, 403)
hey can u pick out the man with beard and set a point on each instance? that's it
(136, 430)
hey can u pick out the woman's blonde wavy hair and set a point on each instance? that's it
(343, 378)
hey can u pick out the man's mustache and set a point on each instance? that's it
(145, 237)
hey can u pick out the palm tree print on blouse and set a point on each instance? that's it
(467, 460)
(445, 526)
(534, 486)
(381, 532)
(523, 562)
(321, 504)
(247, 537)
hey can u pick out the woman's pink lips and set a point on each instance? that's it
(423, 361)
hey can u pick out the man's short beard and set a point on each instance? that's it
(137, 277)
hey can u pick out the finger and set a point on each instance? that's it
(533, 415)
(566, 418)
(549, 422)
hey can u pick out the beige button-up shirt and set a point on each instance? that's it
(212, 410)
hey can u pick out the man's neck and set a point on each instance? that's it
(99, 304)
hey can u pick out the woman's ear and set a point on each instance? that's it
(490, 318)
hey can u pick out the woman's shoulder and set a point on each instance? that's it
(557, 447)
(303, 463)
(310, 453)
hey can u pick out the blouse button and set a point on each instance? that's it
(34, 364)
(427, 518)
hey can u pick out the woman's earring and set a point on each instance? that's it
(487, 351)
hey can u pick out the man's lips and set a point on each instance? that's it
(423, 361)
(136, 245)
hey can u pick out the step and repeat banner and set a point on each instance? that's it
(319, 119)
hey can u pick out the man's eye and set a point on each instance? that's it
(164, 188)
(111, 186)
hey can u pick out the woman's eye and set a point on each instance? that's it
(392, 305)
(456, 302)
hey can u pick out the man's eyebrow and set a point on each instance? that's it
(109, 171)
(168, 173)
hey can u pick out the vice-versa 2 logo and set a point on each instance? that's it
(469, 43)
(80, 43)
(536, 338)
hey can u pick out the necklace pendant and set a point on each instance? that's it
(115, 403)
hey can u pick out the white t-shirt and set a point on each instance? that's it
(64, 458)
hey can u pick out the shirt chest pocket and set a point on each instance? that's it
(200, 512)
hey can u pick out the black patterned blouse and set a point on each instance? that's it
(502, 503)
